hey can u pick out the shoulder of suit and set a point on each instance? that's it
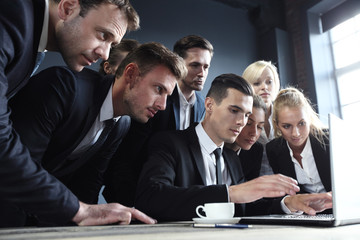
(275, 143)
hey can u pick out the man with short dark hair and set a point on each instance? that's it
(82, 31)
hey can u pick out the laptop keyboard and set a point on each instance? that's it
(316, 217)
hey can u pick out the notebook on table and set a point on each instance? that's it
(345, 172)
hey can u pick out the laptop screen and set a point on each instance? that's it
(345, 167)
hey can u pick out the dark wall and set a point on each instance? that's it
(164, 21)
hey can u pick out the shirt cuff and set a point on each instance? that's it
(286, 210)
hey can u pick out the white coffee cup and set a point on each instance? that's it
(223, 210)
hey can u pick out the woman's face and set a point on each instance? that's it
(294, 124)
(252, 130)
(264, 86)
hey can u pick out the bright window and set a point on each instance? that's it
(345, 39)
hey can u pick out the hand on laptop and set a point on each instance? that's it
(309, 203)
(276, 185)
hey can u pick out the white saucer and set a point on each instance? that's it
(216, 221)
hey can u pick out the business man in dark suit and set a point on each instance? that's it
(182, 170)
(68, 27)
(280, 159)
(64, 122)
(183, 107)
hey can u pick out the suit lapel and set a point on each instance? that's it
(285, 162)
(322, 161)
(199, 108)
(233, 166)
(176, 107)
(195, 150)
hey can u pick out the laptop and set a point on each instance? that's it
(345, 172)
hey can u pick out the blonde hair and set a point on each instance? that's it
(293, 98)
(253, 72)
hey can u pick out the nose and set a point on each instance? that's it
(103, 51)
(295, 132)
(202, 71)
(253, 130)
(263, 85)
(242, 120)
(161, 103)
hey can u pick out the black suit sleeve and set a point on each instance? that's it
(27, 184)
(273, 151)
(251, 161)
(166, 189)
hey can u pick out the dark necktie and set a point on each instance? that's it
(76, 163)
(217, 153)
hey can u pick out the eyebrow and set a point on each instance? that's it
(296, 123)
(110, 33)
(242, 110)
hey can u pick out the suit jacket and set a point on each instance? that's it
(173, 181)
(19, 40)
(251, 161)
(129, 158)
(52, 115)
(169, 119)
(280, 160)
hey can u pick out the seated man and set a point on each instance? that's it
(182, 171)
(246, 146)
(73, 122)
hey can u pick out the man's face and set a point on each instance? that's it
(226, 120)
(148, 93)
(83, 40)
(197, 62)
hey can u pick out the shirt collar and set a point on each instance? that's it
(107, 108)
(205, 141)
(44, 31)
(305, 152)
(182, 98)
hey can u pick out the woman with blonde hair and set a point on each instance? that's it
(301, 147)
(264, 78)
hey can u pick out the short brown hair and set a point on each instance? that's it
(192, 41)
(123, 5)
(220, 85)
(149, 55)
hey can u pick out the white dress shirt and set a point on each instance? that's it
(185, 109)
(44, 31)
(207, 149)
(106, 113)
(307, 175)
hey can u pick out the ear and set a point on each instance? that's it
(209, 104)
(131, 72)
(68, 8)
(107, 68)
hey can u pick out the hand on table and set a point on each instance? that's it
(102, 214)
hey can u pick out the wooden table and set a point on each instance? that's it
(183, 231)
